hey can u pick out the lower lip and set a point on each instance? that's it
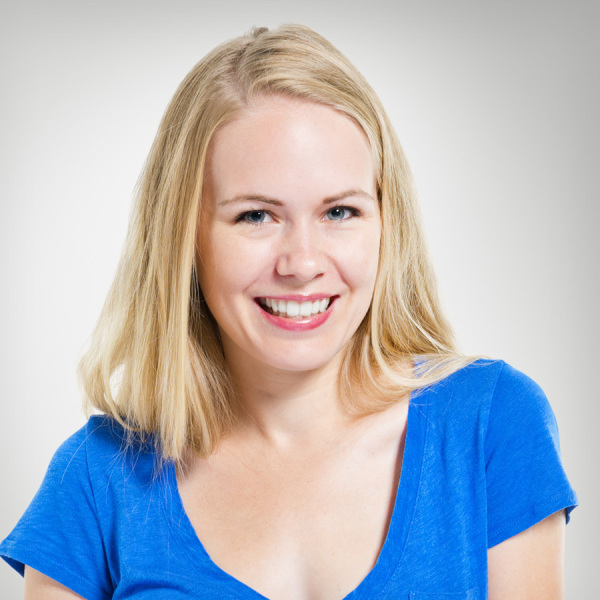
(303, 324)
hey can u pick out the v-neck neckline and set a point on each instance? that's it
(395, 539)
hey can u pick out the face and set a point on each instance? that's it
(289, 232)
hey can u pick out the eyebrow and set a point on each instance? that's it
(276, 202)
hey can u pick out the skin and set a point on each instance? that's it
(304, 221)
(294, 237)
(40, 587)
(530, 565)
(296, 500)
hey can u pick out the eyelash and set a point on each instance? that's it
(354, 212)
(243, 217)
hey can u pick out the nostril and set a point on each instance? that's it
(302, 265)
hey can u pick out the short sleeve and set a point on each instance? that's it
(59, 534)
(525, 478)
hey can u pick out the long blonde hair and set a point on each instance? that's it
(155, 361)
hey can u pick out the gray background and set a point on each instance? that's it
(496, 105)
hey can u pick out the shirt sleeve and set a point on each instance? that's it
(59, 534)
(526, 481)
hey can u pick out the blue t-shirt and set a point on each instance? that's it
(481, 464)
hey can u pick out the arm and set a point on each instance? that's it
(529, 565)
(40, 587)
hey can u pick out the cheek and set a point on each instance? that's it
(230, 263)
(361, 261)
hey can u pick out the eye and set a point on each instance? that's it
(254, 217)
(342, 213)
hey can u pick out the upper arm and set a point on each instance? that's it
(41, 587)
(529, 565)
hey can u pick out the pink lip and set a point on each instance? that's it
(299, 297)
(304, 324)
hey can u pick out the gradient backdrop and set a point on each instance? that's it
(496, 104)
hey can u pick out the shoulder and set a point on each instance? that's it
(512, 403)
(512, 406)
(62, 532)
(101, 453)
(490, 389)
(100, 436)
(493, 420)
(95, 482)
(100, 433)
(487, 405)
(486, 375)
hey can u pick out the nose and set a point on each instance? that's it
(301, 254)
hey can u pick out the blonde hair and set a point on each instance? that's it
(155, 362)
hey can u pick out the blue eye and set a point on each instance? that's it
(341, 213)
(254, 217)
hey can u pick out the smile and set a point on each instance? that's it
(292, 309)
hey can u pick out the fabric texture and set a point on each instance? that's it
(481, 464)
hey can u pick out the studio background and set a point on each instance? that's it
(495, 103)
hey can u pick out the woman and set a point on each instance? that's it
(272, 357)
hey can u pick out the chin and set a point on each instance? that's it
(310, 360)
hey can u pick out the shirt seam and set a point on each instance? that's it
(489, 410)
(539, 508)
(417, 496)
(47, 559)
(96, 511)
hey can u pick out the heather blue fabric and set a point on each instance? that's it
(481, 464)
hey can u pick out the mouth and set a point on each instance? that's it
(294, 309)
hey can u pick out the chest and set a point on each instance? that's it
(297, 529)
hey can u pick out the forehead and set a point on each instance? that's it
(287, 143)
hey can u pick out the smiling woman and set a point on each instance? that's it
(304, 228)
(283, 411)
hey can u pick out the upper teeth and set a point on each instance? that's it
(291, 308)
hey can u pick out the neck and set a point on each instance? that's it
(288, 407)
